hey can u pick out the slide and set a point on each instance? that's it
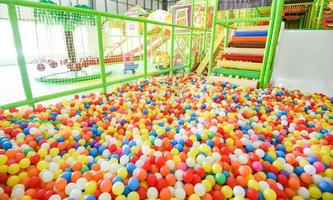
(205, 60)
(304, 61)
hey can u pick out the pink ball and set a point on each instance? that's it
(320, 167)
(182, 166)
(254, 138)
(256, 166)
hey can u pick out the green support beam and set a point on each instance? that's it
(212, 39)
(275, 37)
(254, 19)
(145, 50)
(205, 23)
(226, 31)
(191, 38)
(101, 51)
(19, 53)
(172, 41)
(268, 43)
(320, 15)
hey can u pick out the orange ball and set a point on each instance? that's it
(244, 170)
(189, 189)
(165, 170)
(75, 176)
(60, 184)
(105, 186)
(294, 182)
(165, 194)
(306, 178)
(171, 179)
(141, 174)
(207, 196)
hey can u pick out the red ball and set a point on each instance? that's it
(48, 194)
(252, 194)
(188, 176)
(160, 161)
(34, 182)
(162, 183)
(35, 158)
(3, 178)
(151, 180)
(218, 195)
(142, 193)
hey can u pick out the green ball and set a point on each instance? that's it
(220, 178)
(84, 168)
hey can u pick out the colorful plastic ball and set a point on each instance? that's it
(47, 176)
(220, 178)
(90, 187)
(239, 191)
(165, 194)
(227, 191)
(314, 192)
(105, 186)
(105, 196)
(325, 186)
(152, 193)
(257, 166)
(269, 194)
(13, 168)
(244, 170)
(75, 194)
(180, 193)
(118, 188)
(133, 183)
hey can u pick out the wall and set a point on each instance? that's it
(304, 61)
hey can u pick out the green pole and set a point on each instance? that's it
(172, 63)
(314, 14)
(205, 23)
(226, 31)
(268, 42)
(311, 14)
(321, 8)
(19, 52)
(101, 52)
(212, 39)
(275, 37)
(191, 38)
(145, 51)
(301, 22)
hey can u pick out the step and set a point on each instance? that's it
(247, 44)
(253, 28)
(250, 33)
(239, 65)
(234, 81)
(237, 72)
(249, 39)
(242, 57)
(248, 51)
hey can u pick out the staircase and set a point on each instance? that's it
(244, 55)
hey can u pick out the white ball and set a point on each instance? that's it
(260, 153)
(243, 159)
(105, 165)
(145, 149)
(200, 189)
(17, 192)
(152, 193)
(70, 187)
(170, 164)
(47, 176)
(263, 185)
(81, 183)
(303, 192)
(105, 196)
(180, 193)
(190, 162)
(55, 197)
(124, 159)
(310, 169)
(158, 142)
(239, 191)
(75, 194)
(179, 174)
(179, 184)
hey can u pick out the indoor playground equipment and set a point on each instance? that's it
(175, 136)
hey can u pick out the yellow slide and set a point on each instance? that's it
(205, 60)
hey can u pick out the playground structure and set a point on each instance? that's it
(222, 47)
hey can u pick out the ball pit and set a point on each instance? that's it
(171, 138)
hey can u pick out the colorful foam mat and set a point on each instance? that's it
(242, 57)
(249, 39)
(250, 33)
(247, 44)
(252, 51)
(239, 65)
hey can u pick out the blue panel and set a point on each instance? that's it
(250, 33)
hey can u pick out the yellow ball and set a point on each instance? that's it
(253, 184)
(121, 197)
(3, 168)
(133, 195)
(207, 185)
(41, 165)
(329, 173)
(269, 194)
(26, 197)
(207, 166)
(42, 152)
(90, 187)
(54, 152)
(13, 180)
(122, 172)
(211, 179)
(238, 198)
(194, 197)
(216, 168)
(227, 191)
(314, 192)
(3, 159)
(24, 163)
(327, 196)
(13, 168)
(118, 188)
(297, 198)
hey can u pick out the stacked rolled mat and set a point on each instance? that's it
(244, 55)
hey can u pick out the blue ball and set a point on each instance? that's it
(325, 186)
(7, 145)
(130, 167)
(90, 197)
(67, 175)
(93, 152)
(117, 179)
(133, 183)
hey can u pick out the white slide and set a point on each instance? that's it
(304, 61)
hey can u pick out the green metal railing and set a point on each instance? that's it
(104, 83)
